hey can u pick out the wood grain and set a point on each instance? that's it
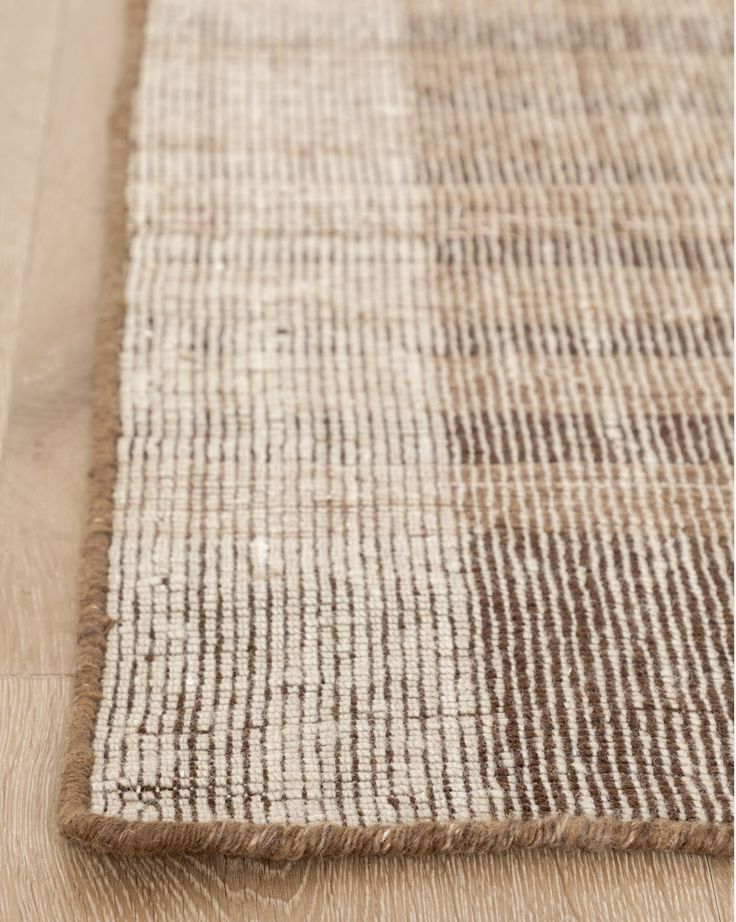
(721, 870)
(28, 34)
(42, 484)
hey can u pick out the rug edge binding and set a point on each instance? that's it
(282, 842)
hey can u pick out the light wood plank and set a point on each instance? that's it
(43, 485)
(28, 37)
(722, 877)
(45, 878)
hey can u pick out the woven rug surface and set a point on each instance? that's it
(410, 522)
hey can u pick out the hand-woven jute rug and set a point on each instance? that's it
(410, 522)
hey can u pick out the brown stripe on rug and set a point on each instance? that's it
(410, 521)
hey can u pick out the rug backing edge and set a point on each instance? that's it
(271, 841)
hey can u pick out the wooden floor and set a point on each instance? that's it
(58, 66)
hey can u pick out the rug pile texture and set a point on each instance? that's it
(410, 521)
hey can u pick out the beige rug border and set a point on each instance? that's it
(272, 841)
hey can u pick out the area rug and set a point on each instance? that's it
(410, 522)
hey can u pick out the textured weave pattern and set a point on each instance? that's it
(422, 506)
